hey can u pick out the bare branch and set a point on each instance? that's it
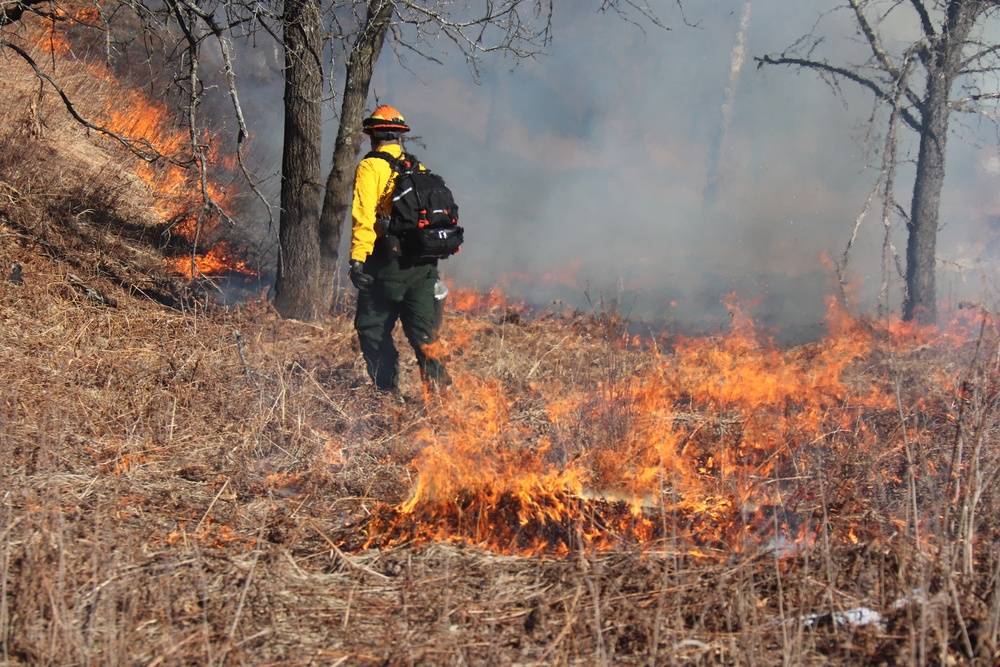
(842, 72)
(15, 11)
(140, 147)
(880, 55)
(925, 19)
(890, 159)
(220, 33)
(642, 8)
(515, 34)
(987, 51)
(971, 106)
(981, 97)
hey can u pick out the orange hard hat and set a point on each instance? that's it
(385, 119)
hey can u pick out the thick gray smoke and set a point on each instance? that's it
(661, 170)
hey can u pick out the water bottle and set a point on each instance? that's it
(440, 292)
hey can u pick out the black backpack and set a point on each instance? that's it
(423, 223)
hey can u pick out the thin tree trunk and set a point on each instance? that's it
(360, 67)
(301, 291)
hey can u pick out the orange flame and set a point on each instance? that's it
(475, 303)
(708, 448)
(182, 195)
(219, 260)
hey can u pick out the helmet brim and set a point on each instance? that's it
(371, 125)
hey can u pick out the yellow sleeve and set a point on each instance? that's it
(366, 196)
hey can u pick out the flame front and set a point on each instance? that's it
(189, 202)
(708, 447)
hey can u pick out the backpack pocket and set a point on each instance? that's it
(435, 242)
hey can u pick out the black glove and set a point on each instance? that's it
(358, 276)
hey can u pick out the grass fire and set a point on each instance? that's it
(183, 482)
(707, 445)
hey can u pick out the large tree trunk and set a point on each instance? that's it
(943, 62)
(301, 290)
(360, 67)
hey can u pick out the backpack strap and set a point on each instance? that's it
(396, 164)
(406, 162)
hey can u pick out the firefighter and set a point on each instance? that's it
(390, 288)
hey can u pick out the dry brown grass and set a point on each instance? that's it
(176, 484)
(181, 485)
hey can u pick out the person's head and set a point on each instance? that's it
(385, 125)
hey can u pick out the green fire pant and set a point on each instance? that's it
(407, 295)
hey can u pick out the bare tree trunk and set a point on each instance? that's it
(360, 68)
(301, 291)
(921, 246)
(943, 61)
(946, 54)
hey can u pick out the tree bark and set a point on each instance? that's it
(360, 67)
(921, 246)
(943, 62)
(301, 291)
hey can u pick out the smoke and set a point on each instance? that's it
(717, 165)
(653, 169)
(647, 167)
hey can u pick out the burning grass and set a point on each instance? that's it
(198, 485)
(53, 168)
(220, 486)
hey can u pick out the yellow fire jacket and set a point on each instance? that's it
(373, 184)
